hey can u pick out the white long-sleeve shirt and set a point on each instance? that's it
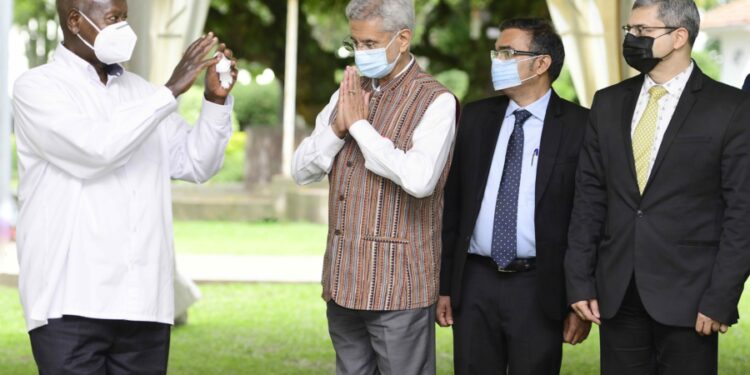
(416, 170)
(95, 168)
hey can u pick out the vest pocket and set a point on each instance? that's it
(390, 272)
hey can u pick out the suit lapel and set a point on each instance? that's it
(490, 130)
(681, 113)
(552, 134)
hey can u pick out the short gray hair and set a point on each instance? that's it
(676, 13)
(396, 14)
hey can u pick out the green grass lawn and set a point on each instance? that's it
(281, 329)
(233, 238)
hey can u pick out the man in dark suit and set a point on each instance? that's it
(659, 246)
(746, 86)
(507, 208)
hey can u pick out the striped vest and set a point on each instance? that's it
(383, 249)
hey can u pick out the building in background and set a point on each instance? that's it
(730, 25)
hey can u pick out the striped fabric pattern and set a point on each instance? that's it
(383, 246)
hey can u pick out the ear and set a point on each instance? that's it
(542, 64)
(681, 38)
(73, 22)
(404, 38)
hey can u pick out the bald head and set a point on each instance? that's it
(65, 6)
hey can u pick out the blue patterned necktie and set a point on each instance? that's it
(504, 229)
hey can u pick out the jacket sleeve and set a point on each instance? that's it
(588, 216)
(452, 211)
(732, 264)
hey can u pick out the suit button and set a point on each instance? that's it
(337, 232)
(640, 213)
(349, 163)
(341, 197)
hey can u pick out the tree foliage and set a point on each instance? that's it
(451, 35)
(39, 19)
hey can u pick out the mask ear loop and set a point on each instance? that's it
(88, 20)
(391, 42)
(670, 52)
(98, 30)
(527, 59)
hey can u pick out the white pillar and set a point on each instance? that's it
(7, 206)
(165, 28)
(290, 86)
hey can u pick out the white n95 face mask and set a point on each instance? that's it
(114, 44)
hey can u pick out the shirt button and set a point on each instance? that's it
(640, 213)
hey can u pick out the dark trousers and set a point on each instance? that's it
(500, 327)
(76, 345)
(632, 343)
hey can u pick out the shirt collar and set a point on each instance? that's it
(376, 87)
(538, 109)
(675, 86)
(66, 56)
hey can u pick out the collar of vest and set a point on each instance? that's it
(409, 75)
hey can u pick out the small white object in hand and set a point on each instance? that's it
(224, 68)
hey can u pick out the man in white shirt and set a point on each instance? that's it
(384, 144)
(97, 149)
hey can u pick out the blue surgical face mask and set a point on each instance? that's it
(374, 63)
(505, 73)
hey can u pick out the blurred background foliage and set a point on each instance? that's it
(451, 40)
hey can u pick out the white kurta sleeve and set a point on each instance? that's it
(197, 153)
(418, 169)
(48, 124)
(313, 159)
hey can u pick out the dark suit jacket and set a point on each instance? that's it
(561, 141)
(687, 238)
(746, 86)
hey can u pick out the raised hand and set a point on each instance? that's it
(353, 101)
(193, 62)
(214, 91)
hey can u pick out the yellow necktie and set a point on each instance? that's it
(643, 137)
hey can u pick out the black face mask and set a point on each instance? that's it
(639, 52)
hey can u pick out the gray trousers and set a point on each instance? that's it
(383, 342)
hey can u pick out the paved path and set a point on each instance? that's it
(214, 268)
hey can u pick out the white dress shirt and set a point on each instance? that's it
(667, 106)
(95, 167)
(416, 170)
(481, 240)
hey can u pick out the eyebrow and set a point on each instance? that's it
(365, 41)
(502, 47)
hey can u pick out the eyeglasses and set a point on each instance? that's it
(352, 45)
(639, 30)
(508, 53)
